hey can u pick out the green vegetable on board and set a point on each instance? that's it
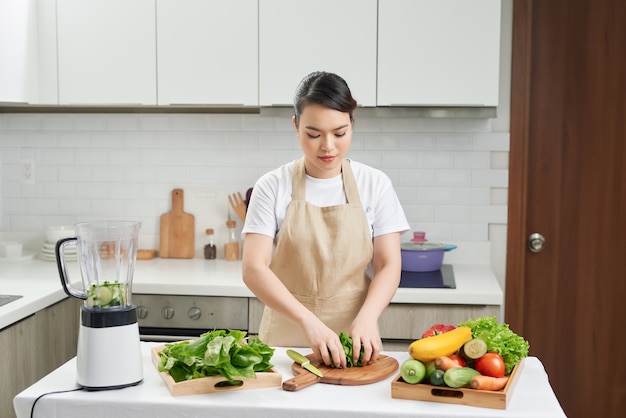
(500, 339)
(346, 342)
(225, 353)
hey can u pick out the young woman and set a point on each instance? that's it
(313, 227)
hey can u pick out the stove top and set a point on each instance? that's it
(443, 278)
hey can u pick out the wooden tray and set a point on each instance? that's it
(462, 396)
(215, 383)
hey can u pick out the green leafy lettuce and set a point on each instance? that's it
(346, 342)
(219, 352)
(500, 339)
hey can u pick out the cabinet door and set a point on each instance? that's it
(107, 52)
(438, 52)
(14, 49)
(207, 52)
(301, 36)
(28, 52)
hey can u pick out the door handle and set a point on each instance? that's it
(536, 242)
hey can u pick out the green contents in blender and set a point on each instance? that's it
(106, 295)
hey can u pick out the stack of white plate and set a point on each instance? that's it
(47, 252)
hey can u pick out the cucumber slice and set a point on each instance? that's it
(106, 295)
(475, 348)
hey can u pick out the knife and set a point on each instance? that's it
(304, 362)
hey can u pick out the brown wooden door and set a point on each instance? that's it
(568, 182)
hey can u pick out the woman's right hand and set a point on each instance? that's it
(325, 343)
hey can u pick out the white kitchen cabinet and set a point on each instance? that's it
(14, 51)
(27, 52)
(207, 52)
(106, 52)
(438, 52)
(301, 36)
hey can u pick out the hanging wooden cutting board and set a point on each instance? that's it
(177, 230)
(384, 367)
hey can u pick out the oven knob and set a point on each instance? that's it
(142, 312)
(167, 312)
(194, 313)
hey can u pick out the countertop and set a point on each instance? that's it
(532, 397)
(37, 281)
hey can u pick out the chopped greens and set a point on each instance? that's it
(346, 342)
(216, 353)
(500, 339)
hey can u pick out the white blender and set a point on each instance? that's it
(109, 352)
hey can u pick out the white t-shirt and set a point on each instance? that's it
(272, 195)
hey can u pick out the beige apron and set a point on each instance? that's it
(321, 257)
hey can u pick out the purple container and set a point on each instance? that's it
(424, 256)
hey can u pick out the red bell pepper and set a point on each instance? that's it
(437, 329)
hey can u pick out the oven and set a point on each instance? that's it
(178, 317)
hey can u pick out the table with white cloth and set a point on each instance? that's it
(532, 397)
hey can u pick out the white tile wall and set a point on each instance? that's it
(451, 175)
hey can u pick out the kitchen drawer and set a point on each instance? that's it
(405, 321)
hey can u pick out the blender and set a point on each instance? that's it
(109, 353)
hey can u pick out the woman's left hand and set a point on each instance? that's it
(365, 335)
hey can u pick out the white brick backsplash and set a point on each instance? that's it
(451, 175)
(491, 178)
(155, 123)
(471, 159)
(122, 122)
(498, 141)
(454, 142)
(27, 122)
(89, 122)
(472, 195)
(435, 159)
(500, 160)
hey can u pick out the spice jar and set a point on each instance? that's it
(231, 247)
(210, 250)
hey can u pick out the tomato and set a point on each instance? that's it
(458, 360)
(437, 329)
(491, 364)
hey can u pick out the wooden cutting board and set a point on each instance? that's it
(353, 376)
(177, 230)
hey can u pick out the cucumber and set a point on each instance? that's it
(436, 377)
(412, 371)
(458, 377)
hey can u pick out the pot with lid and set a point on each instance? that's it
(419, 255)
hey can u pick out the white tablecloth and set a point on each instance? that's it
(533, 397)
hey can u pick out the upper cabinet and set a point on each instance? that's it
(106, 52)
(250, 53)
(438, 52)
(300, 36)
(14, 51)
(207, 52)
(28, 52)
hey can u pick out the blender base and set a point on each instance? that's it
(109, 358)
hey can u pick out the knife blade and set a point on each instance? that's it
(304, 362)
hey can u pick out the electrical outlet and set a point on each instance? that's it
(28, 171)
